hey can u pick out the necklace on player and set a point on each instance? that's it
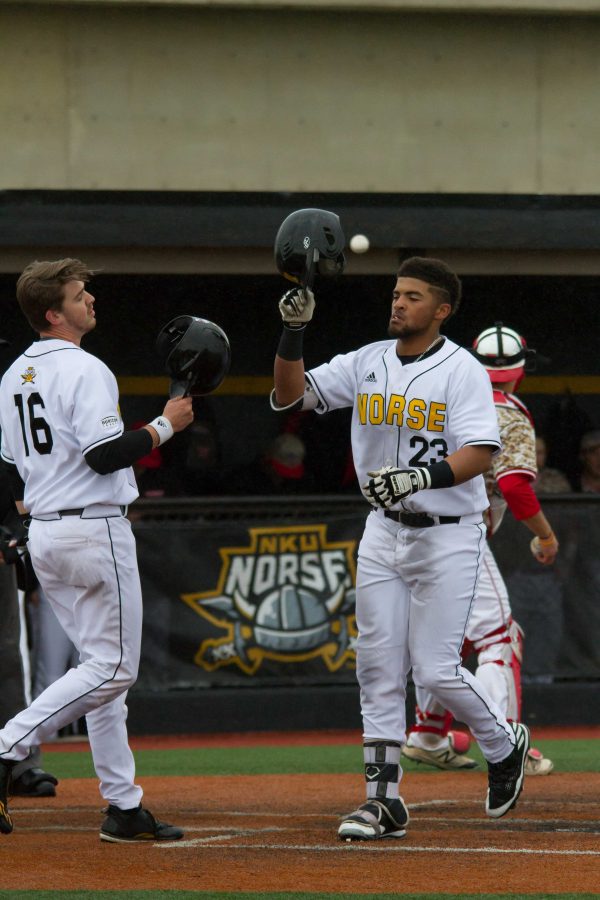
(439, 338)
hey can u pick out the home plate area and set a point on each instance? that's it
(280, 832)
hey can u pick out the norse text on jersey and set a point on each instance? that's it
(417, 414)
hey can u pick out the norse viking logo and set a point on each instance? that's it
(288, 596)
(28, 375)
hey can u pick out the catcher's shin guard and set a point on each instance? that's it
(517, 636)
(499, 655)
(434, 719)
(382, 768)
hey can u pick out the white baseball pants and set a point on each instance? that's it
(88, 571)
(414, 592)
(491, 634)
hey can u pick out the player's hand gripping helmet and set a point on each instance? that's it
(310, 242)
(504, 353)
(196, 354)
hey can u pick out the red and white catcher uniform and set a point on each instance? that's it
(491, 632)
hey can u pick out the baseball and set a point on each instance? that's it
(359, 243)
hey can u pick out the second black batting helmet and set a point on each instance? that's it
(310, 242)
(196, 355)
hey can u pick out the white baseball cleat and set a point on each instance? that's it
(445, 758)
(537, 764)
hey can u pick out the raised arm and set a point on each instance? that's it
(296, 308)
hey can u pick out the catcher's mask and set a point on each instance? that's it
(504, 353)
(310, 242)
(196, 354)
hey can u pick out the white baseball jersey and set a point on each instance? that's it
(52, 412)
(411, 415)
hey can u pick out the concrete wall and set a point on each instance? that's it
(187, 97)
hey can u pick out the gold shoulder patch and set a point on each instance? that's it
(28, 375)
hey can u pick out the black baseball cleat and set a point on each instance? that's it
(6, 825)
(126, 826)
(375, 819)
(505, 778)
(33, 782)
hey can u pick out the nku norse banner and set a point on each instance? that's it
(236, 603)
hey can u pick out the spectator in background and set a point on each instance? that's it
(589, 458)
(325, 439)
(154, 477)
(280, 469)
(548, 480)
(202, 471)
(564, 425)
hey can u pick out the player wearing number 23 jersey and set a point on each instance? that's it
(424, 430)
(411, 415)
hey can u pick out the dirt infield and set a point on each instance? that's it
(278, 832)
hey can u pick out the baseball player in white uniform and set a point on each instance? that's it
(492, 633)
(423, 431)
(70, 464)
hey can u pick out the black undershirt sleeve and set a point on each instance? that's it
(120, 453)
(441, 474)
(12, 487)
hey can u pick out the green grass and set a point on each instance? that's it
(301, 895)
(568, 756)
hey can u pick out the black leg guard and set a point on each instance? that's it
(382, 768)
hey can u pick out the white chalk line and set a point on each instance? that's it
(228, 835)
(480, 821)
(374, 848)
(529, 803)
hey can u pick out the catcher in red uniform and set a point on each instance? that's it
(492, 633)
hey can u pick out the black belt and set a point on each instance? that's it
(420, 520)
(79, 512)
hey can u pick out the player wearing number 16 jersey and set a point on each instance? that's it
(424, 430)
(69, 460)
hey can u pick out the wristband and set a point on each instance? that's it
(291, 343)
(163, 428)
(441, 475)
(546, 541)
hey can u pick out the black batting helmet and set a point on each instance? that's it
(196, 354)
(310, 242)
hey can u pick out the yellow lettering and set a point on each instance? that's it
(376, 408)
(288, 543)
(361, 406)
(267, 544)
(309, 542)
(437, 416)
(395, 410)
(416, 414)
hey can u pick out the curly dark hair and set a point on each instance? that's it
(437, 275)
